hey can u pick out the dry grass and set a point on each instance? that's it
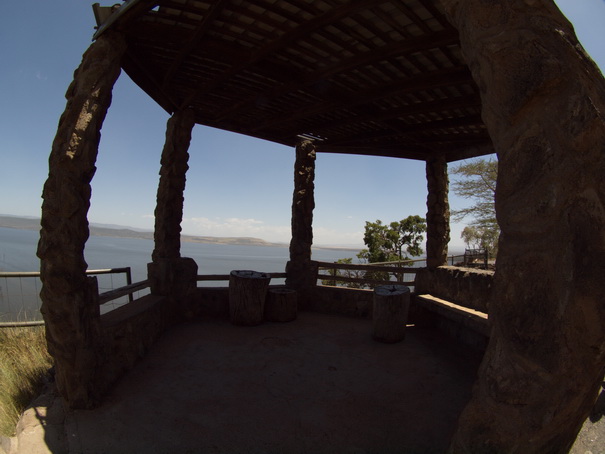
(24, 364)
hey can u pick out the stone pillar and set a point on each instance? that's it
(70, 303)
(543, 102)
(169, 208)
(438, 212)
(169, 273)
(301, 276)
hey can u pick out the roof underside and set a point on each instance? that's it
(371, 77)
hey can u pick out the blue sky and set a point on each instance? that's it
(236, 186)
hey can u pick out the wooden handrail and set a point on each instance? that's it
(398, 270)
(37, 273)
(21, 324)
(328, 277)
(225, 277)
(122, 291)
(360, 267)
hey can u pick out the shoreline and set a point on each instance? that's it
(26, 223)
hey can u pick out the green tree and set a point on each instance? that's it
(397, 241)
(478, 238)
(388, 243)
(478, 183)
(393, 242)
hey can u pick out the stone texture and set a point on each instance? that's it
(281, 305)
(175, 278)
(466, 287)
(543, 102)
(130, 331)
(438, 212)
(170, 198)
(300, 272)
(70, 299)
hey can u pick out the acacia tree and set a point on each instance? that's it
(393, 242)
(386, 242)
(397, 241)
(478, 183)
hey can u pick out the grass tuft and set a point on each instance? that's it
(24, 366)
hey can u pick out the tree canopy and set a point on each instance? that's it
(478, 183)
(387, 243)
(397, 241)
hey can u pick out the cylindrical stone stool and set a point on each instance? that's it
(281, 305)
(247, 293)
(390, 314)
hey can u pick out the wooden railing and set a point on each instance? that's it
(128, 290)
(225, 277)
(398, 271)
(123, 291)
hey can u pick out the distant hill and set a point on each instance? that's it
(31, 223)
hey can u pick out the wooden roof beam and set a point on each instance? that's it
(405, 129)
(347, 100)
(372, 113)
(300, 31)
(373, 56)
(193, 41)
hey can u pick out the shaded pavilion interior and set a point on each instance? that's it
(387, 78)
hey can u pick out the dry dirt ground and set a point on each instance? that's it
(319, 384)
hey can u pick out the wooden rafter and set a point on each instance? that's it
(387, 75)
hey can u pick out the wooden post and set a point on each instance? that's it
(390, 313)
(281, 305)
(247, 293)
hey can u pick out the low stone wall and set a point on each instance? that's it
(128, 333)
(466, 287)
(212, 302)
(340, 300)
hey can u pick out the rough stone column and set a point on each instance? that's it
(301, 276)
(69, 298)
(170, 274)
(438, 212)
(543, 103)
(169, 208)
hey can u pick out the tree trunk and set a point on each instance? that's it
(247, 293)
(390, 314)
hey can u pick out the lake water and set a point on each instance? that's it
(19, 298)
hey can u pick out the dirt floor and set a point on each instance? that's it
(319, 384)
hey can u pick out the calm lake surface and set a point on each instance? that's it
(19, 298)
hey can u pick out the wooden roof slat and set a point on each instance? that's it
(345, 100)
(194, 40)
(288, 38)
(411, 128)
(382, 77)
(304, 80)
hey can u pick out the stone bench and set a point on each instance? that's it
(469, 325)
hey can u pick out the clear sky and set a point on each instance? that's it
(236, 186)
